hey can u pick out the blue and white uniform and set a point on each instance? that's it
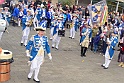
(56, 37)
(86, 37)
(7, 17)
(35, 44)
(20, 17)
(43, 23)
(74, 27)
(25, 28)
(53, 24)
(110, 51)
(37, 17)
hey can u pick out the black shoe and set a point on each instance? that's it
(105, 67)
(102, 66)
(81, 55)
(29, 78)
(52, 47)
(25, 45)
(70, 37)
(84, 55)
(21, 44)
(36, 81)
(57, 49)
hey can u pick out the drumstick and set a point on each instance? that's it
(7, 31)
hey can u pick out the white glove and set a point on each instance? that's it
(90, 40)
(28, 55)
(50, 57)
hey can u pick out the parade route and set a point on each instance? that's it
(67, 65)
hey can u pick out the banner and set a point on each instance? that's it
(1, 1)
(99, 12)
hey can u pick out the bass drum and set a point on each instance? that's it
(2, 25)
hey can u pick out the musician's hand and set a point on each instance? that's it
(90, 40)
(28, 55)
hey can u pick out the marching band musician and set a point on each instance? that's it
(44, 11)
(26, 22)
(49, 18)
(1, 14)
(6, 15)
(38, 15)
(110, 50)
(20, 17)
(53, 24)
(56, 37)
(85, 39)
(15, 14)
(32, 10)
(39, 44)
(25, 10)
(1, 17)
(74, 26)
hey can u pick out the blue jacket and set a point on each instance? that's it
(112, 45)
(84, 36)
(69, 17)
(34, 44)
(49, 15)
(43, 23)
(59, 26)
(23, 22)
(16, 12)
(25, 19)
(39, 13)
(96, 39)
(25, 11)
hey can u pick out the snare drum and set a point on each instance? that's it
(61, 33)
(2, 25)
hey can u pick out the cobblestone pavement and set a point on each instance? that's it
(68, 66)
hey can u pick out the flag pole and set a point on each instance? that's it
(91, 2)
(117, 7)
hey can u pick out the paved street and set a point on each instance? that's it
(67, 67)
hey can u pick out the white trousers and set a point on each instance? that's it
(35, 67)
(19, 22)
(56, 39)
(72, 32)
(25, 33)
(35, 22)
(107, 59)
(51, 32)
(1, 33)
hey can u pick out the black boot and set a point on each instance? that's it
(84, 53)
(82, 50)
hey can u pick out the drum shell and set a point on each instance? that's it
(2, 25)
(61, 33)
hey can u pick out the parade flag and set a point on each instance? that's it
(98, 12)
(1, 1)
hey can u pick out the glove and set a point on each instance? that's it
(90, 40)
(27, 54)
